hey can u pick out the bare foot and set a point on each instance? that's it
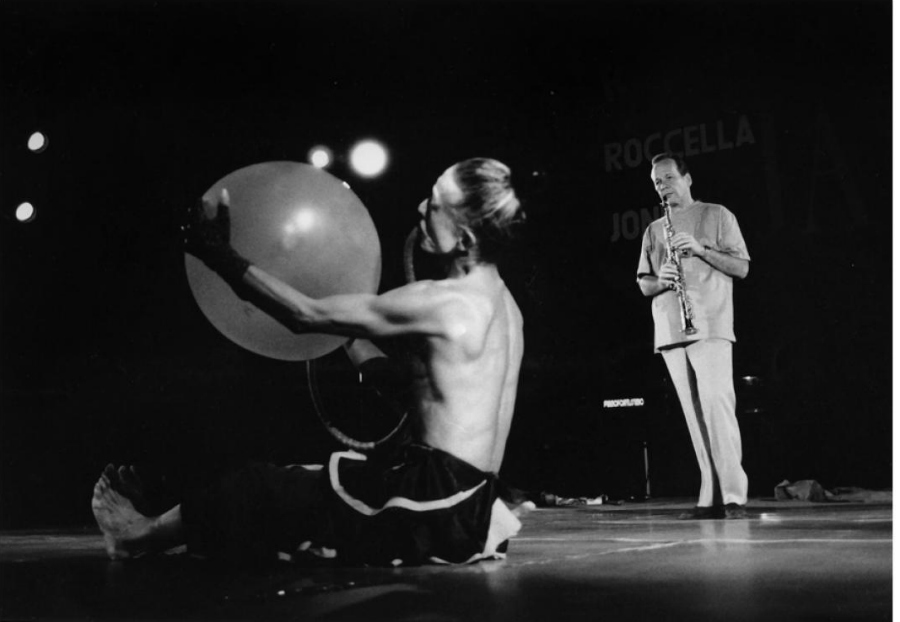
(126, 482)
(125, 530)
(523, 509)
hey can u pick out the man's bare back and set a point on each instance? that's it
(467, 389)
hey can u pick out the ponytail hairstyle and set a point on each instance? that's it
(490, 209)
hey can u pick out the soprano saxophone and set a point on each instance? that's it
(674, 256)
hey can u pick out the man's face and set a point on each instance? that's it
(440, 232)
(671, 185)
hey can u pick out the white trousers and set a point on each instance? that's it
(702, 375)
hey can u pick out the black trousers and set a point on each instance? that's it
(253, 512)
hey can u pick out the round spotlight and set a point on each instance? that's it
(368, 158)
(320, 157)
(25, 212)
(37, 142)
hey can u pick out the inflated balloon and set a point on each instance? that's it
(301, 225)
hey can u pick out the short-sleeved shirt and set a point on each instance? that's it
(708, 289)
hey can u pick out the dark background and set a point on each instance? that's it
(105, 356)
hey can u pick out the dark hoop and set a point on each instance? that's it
(409, 248)
(312, 376)
(325, 419)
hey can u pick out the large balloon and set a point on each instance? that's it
(303, 226)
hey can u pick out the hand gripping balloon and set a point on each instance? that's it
(299, 224)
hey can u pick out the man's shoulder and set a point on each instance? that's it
(659, 223)
(470, 299)
(711, 208)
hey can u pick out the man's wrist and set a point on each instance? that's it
(228, 264)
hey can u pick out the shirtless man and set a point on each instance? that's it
(434, 500)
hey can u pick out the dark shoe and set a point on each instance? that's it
(734, 511)
(703, 513)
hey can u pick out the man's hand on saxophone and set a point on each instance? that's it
(668, 276)
(687, 245)
(653, 285)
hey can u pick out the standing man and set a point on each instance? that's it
(712, 253)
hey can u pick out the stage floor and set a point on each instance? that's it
(787, 561)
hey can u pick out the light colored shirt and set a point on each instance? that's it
(708, 289)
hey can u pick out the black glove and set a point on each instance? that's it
(209, 240)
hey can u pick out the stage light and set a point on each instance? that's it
(368, 158)
(37, 142)
(25, 212)
(320, 156)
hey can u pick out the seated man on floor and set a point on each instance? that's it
(434, 499)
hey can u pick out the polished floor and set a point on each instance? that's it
(787, 561)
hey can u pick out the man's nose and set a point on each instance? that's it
(423, 206)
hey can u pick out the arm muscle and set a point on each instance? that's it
(424, 307)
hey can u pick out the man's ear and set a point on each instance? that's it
(466, 239)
